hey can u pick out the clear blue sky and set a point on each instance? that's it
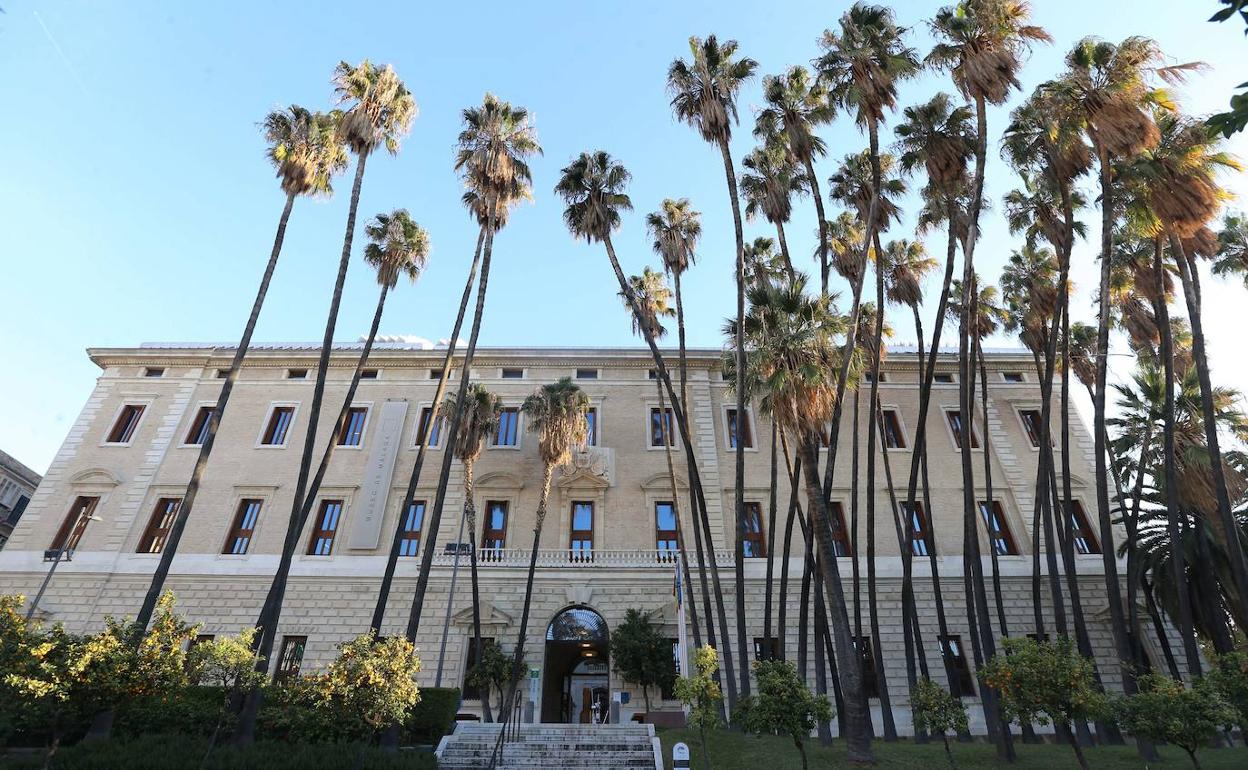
(137, 205)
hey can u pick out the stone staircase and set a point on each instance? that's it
(553, 747)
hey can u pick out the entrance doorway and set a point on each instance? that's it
(576, 676)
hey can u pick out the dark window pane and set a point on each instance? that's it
(239, 539)
(322, 543)
(290, 658)
(198, 433)
(662, 427)
(412, 522)
(127, 422)
(75, 523)
(153, 540)
(508, 427)
(753, 545)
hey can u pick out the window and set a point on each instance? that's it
(153, 372)
(665, 530)
(943, 378)
(591, 426)
(894, 438)
(157, 532)
(471, 692)
(508, 433)
(582, 539)
(369, 374)
(198, 433)
(752, 544)
(412, 523)
(422, 428)
(840, 533)
(352, 432)
(322, 542)
(744, 431)
(918, 526)
(80, 514)
(586, 374)
(669, 692)
(867, 377)
(1013, 377)
(653, 374)
(435, 374)
(766, 649)
(1033, 425)
(290, 658)
(954, 416)
(279, 424)
(1080, 530)
(661, 424)
(127, 422)
(494, 530)
(244, 527)
(998, 530)
(296, 374)
(223, 373)
(513, 374)
(951, 649)
(870, 677)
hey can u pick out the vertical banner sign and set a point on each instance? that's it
(370, 509)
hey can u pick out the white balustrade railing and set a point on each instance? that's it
(577, 557)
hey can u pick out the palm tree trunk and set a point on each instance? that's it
(986, 445)
(784, 251)
(823, 729)
(470, 513)
(157, 586)
(823, 224)
(680, 536)
(1225, 525)
(396, 544)
(244, 733)
(771, 541)
(855, 493)
(782, 611)
(739, 454)
(803, 609)
(1159, 628)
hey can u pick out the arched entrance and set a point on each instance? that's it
(576, 673)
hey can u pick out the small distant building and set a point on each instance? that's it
(17, 484)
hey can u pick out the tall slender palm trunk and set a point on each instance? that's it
(470, 513)
(782, 612)
(772, 501)
(157, 586)
(396, 544)
(823, 224)
(986, 446)
(784, 250)
(855, 496)
(683, 553)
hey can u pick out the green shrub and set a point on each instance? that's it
(1165, 710)
(433, 717)
(784, 705)
(193, 712)
(936, 710)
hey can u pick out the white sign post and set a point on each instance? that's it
(680, 756)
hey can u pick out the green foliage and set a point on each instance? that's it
(1229, 676)
(493, 672)
(701, 692)
(784, 705)
(1165, 710)
(1044, 681)
(434, 716)
(641, 654)
(193, 711)
(936, 710)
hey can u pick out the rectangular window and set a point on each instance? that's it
(296, 374)
(435, 374)
(127, 422)
(223, 373)
(766, 649)
(352, 432)
(513, 374)
(198, 433)
(591, 426)
(279, 424)
(894, 438)
(1084, 539)
(153, 372)
(951, 648)
(368, 374)
(412, 523)
(75, 524)
(920, 544)
(998, 530)
(665, 530)
(954, 416)
(868, 377)
(244, 527)
(157, 532)
(326, 527)
(1014, 377)
(494, 529)
(471, 692)
(943, 378)
(508, 433)
(668, 692)
(752, 545)
(422, 428)
(1033, 425)
(661, 427)
(290, 658)
(653, 374)
(586, 374)
(840, 533)
(581, 543)
(745, 431)
(870, 677)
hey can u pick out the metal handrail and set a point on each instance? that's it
(579, 558)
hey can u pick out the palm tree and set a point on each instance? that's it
(380, 113)
(704, 94)
(768, 185)
(1232, 258)
(492, 154)
(593, 186)
(797, 105)
(305, 150)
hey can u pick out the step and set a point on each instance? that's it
(629, 746)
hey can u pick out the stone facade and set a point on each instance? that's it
(330, 597)
(17, 485)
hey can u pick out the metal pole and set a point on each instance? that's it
(450, 601)
(44, 586)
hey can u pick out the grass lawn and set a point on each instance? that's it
(730, 751)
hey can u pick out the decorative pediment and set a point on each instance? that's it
(97, 476)
(499, 480)
(592, 467)
(662, 483)
(491, 616)
(581, 477)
